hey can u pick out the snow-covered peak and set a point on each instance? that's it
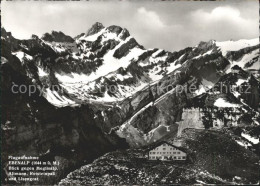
(230, 45)
(92, 37)
(106, 33)
(110, 64)
(93, 61)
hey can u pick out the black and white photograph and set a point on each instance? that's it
(128, 92)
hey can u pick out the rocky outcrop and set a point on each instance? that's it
(102, 49)
(95, 29)
(115, 29)
(125, 48)
(57, 37)
(124, 34)
(251, 93)
(78, 36)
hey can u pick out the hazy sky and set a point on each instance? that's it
(171, 25)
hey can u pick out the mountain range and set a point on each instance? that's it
(76, 98)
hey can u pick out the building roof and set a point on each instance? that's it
(156, 144)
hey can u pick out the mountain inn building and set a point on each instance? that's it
(166, 151)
